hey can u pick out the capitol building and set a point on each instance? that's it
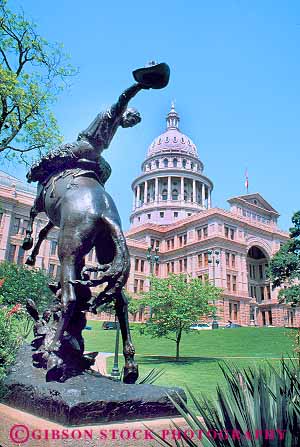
(172, 213)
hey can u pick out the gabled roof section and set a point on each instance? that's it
(255, 201)
(8, 176)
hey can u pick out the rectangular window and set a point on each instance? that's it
(168, 268)
(200, 261)
(180, 265)
(233, 260)
(269, 292)
(262, 293)
(261, 275)
(16, 226)
(180, 241)
(231, 234)
(136, 264)
(185, 239)
(11, 253)
(24, 225)
(135, 288)
(149, 216)
(205, 259)
(227, 259)
(185, 264)
(53, 247)
(141, 289)
(226, 232)
(175, 214)
(205, 232)
(172, 243)
(142, 265)
(172, 266)
(21, 254)
(199, 234)
(161, 214)
(168, 244)
(234, 283)
(235, 311)
(228, 282)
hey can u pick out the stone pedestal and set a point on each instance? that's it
(85, 399)
(20, 428)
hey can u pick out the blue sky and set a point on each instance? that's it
(234, 76)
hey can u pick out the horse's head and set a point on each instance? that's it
(130, 118)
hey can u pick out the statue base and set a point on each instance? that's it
(89, 398)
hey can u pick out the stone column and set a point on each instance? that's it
(203, 195)
(156, 194)
(6, 220)
(169, 188)
(194, 191)
(134, 199)
(146, 191)
(182, 189)
(209, 198)
(138, 196)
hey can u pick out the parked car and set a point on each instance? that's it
(232, 326)
(109, 325)
(200, 326)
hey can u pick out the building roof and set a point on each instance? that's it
(172, 140)
(11, 181)
(255, 201)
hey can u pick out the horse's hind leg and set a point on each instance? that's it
(131, 369)
(72, 247)
(42, 236)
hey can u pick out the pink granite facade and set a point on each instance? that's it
(172, 210)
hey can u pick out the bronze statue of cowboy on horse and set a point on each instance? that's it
(71, 192)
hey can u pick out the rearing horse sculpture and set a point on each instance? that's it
(71, 192)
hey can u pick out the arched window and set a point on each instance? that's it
(166, 162)
(184, 163)
(164, 194)
(174, 194)
(175, 162)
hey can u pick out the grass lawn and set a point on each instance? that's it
(201, 353)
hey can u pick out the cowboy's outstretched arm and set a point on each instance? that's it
(120, 106)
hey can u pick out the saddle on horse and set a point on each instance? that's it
(66, 157)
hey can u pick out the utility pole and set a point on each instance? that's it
(153, 259)
(214, 259)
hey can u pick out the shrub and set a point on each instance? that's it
(263, 405)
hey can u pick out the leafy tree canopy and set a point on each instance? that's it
(32, 73)
(19, 282)
(175, 303)
(284, 268)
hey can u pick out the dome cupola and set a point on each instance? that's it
(172, 185)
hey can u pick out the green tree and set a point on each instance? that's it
(284, 268)
(32, 73)
(19, 282)
(176, 302)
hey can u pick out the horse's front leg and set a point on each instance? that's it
(42, 236)
(130, 369)
(28, 241)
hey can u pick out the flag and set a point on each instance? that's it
(246, 180)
